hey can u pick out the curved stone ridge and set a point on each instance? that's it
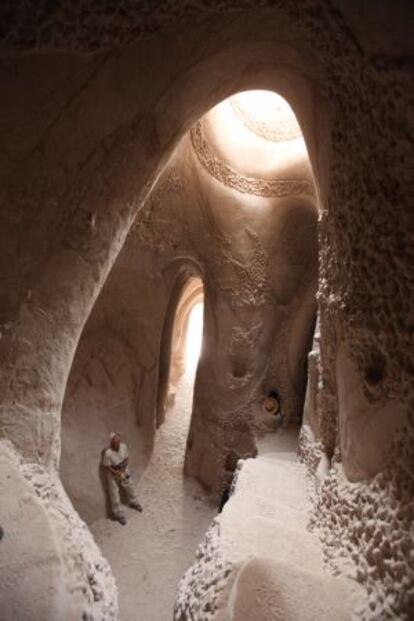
(282, 127)
(227, 175)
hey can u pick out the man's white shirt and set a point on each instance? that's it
(114, 458)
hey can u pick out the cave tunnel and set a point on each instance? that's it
(204, 248)
(228, 235)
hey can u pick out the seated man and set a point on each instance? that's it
(115, 460)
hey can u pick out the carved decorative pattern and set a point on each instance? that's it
(282, 128)
(246, 185)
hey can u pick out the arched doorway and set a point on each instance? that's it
(186, 343)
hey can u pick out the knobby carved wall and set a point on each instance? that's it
(85, 137)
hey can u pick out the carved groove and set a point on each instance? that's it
(283, 128)
(246, 185)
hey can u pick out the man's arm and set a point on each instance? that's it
(118, 475)
(119, 471)
(124, 462)
(126, 456)
(106, 462)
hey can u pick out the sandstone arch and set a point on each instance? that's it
(91, 240)
(188, 289)
(349, 89)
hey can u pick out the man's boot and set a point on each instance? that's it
(134, 504)
(120, 517)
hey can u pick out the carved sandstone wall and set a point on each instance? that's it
(80, 154)
(257, 259)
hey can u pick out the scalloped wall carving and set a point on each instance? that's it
(227, 175)
(282, 128)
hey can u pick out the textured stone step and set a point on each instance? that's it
(281, 482)
(267, 516)
(280, 591)
(259, 562)
(268, 507)
(245, 536)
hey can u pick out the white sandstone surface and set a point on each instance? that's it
(50, 566)
(259, 560)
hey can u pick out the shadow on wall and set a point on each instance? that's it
(104, 483)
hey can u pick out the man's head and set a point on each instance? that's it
(115, 440)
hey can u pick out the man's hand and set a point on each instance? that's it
(119, 475)
(120, 470)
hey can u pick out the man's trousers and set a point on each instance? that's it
(113, 488)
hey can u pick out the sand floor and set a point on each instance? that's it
(151, 553)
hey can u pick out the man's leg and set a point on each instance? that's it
(115, 500)
(128, 486)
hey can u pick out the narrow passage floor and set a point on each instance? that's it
(151, 553)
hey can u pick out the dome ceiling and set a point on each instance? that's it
(230, 177)
(252, 143)
(266, 114)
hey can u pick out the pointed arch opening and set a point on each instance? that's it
(181, 342)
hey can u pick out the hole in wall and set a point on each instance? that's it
(239, 367)
(376, 369)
